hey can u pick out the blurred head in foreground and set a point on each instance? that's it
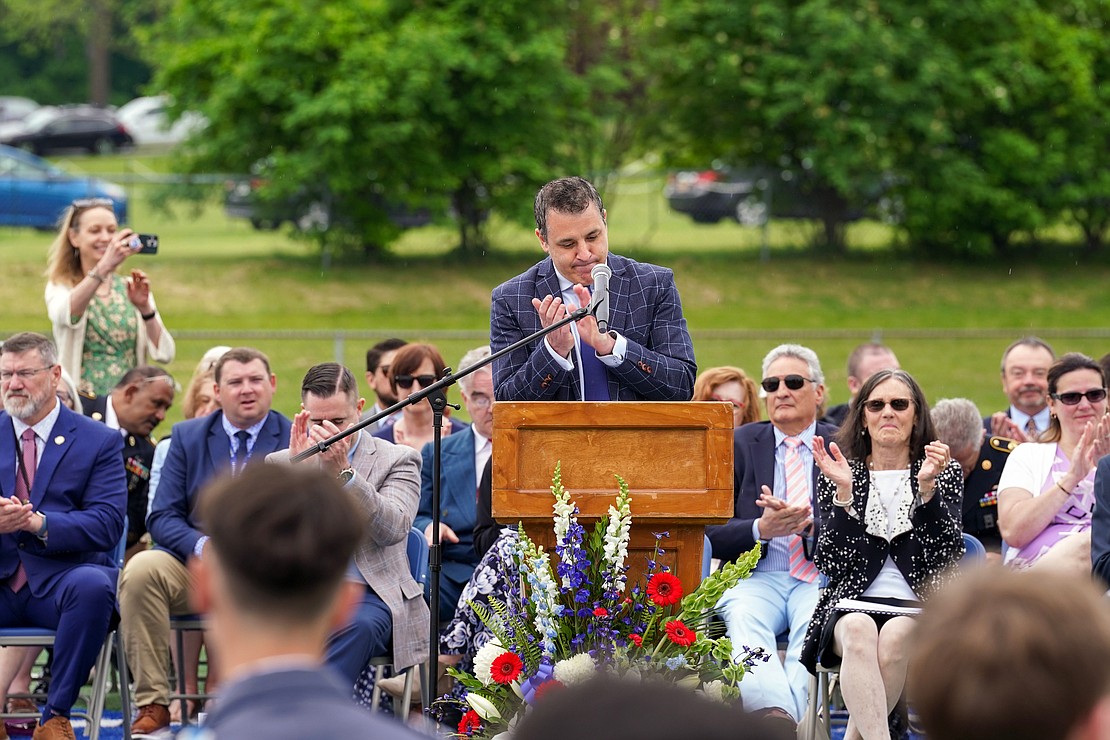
(1001, 655)
(624, 710)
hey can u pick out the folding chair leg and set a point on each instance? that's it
(124, 687)
(376, 694)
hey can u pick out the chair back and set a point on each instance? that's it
(417, 548)
(973, 550)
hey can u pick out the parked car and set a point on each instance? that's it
(146, 120)
(309, 209)
(14, 108)
(34, 192)
(750, 195)
(52, 129)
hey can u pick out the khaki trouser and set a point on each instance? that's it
(153, 586)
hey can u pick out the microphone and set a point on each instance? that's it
(599, 305)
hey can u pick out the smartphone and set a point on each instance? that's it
(145, 243)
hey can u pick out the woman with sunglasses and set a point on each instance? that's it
(1046, 492)
(414, 368)
(104, 324)
(889, 498)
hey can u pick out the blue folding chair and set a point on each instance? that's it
(44, 638)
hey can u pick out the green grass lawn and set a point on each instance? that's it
(218, 281)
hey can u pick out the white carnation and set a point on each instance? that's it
(483, 661)
(574, 670)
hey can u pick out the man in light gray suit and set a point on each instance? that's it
(385, 480)
(271, 584)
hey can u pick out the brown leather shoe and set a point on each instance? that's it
(56, 728)
(151, 719)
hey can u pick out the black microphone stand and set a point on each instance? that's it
(436, 393)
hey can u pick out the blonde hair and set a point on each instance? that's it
(64, 264)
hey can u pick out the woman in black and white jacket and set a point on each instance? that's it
(890, 497)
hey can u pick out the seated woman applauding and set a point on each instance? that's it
(1046, 492)
(889, 497)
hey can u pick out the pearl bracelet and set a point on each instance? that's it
(843, 504)
(95, 276)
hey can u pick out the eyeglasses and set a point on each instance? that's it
(406, 381)
(479, 401)
(1072, 399)
(876, 405)
(93, 203)
(25, 375)
(793, 382)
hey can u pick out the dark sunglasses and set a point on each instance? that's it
(406, 381)
(793, 382)
(876, 405)
(1072, 399)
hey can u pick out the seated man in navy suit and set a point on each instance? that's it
(776, 494)
(63, 499)
(271, 606)
(464, 456)
(136, 406)
(646, 356)
(155, 583)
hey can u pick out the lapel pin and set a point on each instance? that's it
(59, 440)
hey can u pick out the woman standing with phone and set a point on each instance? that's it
(104, 324)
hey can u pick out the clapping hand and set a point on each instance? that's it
(780, 518)
(937, 457)
(832, 463)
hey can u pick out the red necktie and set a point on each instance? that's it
(24, 482)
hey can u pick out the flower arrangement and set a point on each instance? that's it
(564, 621)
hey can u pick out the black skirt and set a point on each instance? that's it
(881, 613)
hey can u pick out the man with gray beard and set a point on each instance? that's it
(63, 497)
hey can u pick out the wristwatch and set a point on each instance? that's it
(345, 475)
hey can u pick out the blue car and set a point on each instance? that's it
(34, 192)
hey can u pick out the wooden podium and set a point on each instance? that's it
(675, 457)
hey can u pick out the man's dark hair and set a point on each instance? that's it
(565, 195)
(327, 379)
(1034, 342)
(26, 341)
(374, 354)
(622, 710)
(242, 355)
(142, 372)
(283, 537)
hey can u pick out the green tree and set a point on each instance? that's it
(985, 116)
(458, 104)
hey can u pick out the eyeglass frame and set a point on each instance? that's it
(876, 405)
(786, 380)
(26, 374)
(1100, 392)
(405, 381)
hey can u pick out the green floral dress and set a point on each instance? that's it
(110, 338)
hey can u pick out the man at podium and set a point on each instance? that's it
(645, 352)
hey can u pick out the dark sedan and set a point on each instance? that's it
(55, 129)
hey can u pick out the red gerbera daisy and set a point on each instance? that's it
(664, 589)
(636, 639)
(601, 612)
(506, 667)
(545, 687)
(680, 634)
(470, 723)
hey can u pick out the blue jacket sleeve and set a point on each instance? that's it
(96, 524)
(169, 523)
(1100, 524)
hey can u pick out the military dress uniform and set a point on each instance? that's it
(138, 455)
(980, 506)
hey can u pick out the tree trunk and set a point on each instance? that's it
(97, 49)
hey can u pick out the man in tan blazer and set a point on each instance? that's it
(385, 479)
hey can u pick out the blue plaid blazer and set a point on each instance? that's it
(643, 307)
